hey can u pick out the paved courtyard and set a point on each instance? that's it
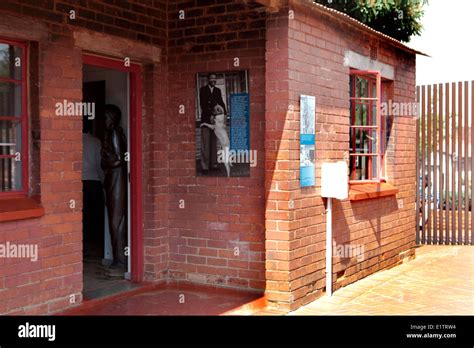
(440, 281)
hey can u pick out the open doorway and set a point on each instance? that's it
(107, 232)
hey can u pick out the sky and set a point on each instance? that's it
(447, 38)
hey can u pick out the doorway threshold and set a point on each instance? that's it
(90, 304)
(167, 298)
(115, 287)
(97, 284)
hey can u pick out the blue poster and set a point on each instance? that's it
(307, 140)
(239, 122)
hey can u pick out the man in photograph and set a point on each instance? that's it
(209, 97)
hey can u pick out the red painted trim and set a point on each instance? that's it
(136, 175)
(110, 63)
(24, 127)
(364, 72)
(360, 182)
(19, 208)
(371, 190)
(5, 79)
(11, 195)
(378, 91)
(369, 76)
(136, 206)
(12, 42)
(361, 154)
(351, 130)
(10, 118)
(370, 121)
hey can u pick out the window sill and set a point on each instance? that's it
(19, 208)
(358, 192)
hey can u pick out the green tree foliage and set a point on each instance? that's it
(399, 19)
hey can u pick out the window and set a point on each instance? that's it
(13, 118)
(366, 141)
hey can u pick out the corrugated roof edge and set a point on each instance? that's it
(344, 17)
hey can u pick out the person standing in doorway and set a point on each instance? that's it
(93, 192)
(209, 97)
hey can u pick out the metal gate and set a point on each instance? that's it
(445, 146)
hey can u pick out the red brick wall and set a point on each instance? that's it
(278, 164)
(220, 214)
(156, 175)
(296, 236)
(136, 20)
(56, 158)
(47, 284)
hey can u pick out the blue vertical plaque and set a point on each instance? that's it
(307, 140)
(239, 122)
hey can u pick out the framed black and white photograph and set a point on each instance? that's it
(223, 124)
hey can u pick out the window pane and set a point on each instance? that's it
(10, 175)
(10, 144)
(365, 167)
(374, 114)
(362, 87)
(10, 99)
(362, 165)
(10, 135)
(9, 59)
(365, 140)
(361, 114)
(374, 168)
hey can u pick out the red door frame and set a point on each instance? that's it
(136, 208)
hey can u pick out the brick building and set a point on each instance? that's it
(261, 232)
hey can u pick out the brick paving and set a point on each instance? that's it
(440, 281)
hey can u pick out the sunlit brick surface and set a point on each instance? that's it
(440, 281)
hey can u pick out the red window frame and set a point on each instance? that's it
(374, 78)
(23, 119)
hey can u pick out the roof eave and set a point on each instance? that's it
(275, 5)
(348, 19)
